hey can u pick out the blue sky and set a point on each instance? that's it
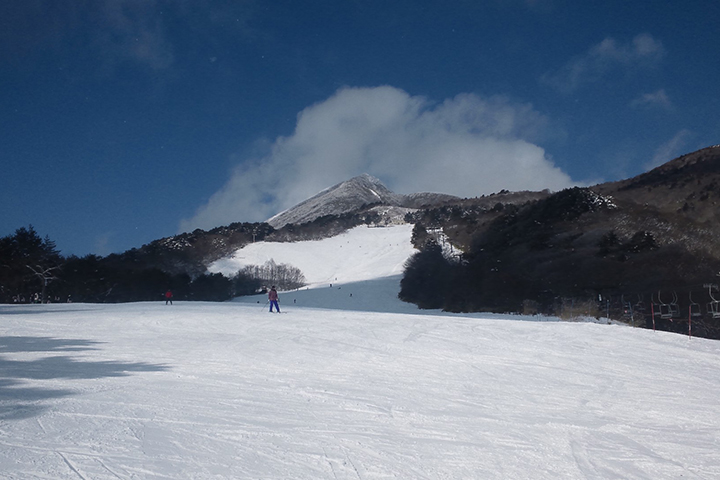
(124, 121)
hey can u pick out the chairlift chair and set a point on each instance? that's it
(640, 305)
(694, 308)
(664, 309)
(654, 305)
(674, 307)
(713, 307)
(626, 306)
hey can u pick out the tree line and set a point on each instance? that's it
(560, 251)
(32, 270)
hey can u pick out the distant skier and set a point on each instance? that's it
(273, 297)
(168, 297)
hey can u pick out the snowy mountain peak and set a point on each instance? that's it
(346, 197)
(338, 199)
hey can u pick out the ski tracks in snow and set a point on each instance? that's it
(324, 394)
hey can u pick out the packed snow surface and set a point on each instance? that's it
(362, 253)
(230, 391)
(365, 387)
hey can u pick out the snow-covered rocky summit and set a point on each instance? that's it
(349, 196)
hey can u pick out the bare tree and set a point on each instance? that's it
(45, 275)
(284, 276)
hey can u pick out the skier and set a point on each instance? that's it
(273, 297)
(168, 297)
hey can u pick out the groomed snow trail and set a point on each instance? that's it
(229, 391)
(362, 253)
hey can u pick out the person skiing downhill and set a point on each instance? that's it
(273, 297)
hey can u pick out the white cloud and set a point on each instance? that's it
(658, 99)
(669, 150)
(604, 57)
(466, 146)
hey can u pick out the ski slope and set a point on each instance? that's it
(229, 391)
(348, 383)
(362, 253)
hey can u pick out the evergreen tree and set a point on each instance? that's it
(212, 287)
(427, 278)
(28, 263)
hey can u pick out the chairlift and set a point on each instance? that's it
(654, 305)
(674, 307)
(626, 306)
(640, 305)
(694, 309)
(663, 309)
(713, 307)
(627, 310)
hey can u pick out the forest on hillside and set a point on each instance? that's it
(32, 270)
(561, 254)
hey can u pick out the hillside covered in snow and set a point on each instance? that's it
(362, 253)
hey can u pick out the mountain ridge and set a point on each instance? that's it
(352, 195)
(632, 243)
(634, 238)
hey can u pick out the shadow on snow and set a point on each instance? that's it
(18, 401)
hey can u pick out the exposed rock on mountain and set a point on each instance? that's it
(350, 196)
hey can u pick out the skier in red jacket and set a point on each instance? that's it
(273, 297)
(168, 297)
